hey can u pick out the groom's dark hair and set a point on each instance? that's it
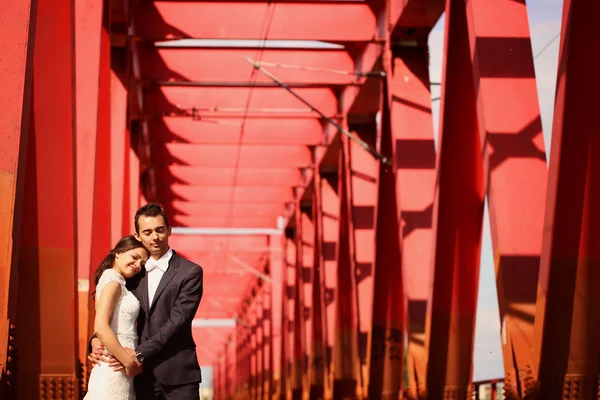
(150, 210)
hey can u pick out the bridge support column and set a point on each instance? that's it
(409, 99)
(119, 149)
(457, 217)
(567, 330)
(47, 301)
(88, 27)
(17, 21)
(317, 333)
(514, 170)
(299, 378)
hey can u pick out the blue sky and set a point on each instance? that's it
(545, 21)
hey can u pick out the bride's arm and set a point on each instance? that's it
(104, 311)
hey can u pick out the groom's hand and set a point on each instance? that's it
(135, 367)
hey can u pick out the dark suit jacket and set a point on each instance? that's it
(165, 326)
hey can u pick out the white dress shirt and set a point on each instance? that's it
(156, 269)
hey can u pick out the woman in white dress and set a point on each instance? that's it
(115, 324)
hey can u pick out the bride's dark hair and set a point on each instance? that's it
(122, 246)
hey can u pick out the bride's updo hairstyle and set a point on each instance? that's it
(122, 246)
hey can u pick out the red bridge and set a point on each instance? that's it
(292, 144)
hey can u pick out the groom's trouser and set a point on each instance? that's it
(150, 389)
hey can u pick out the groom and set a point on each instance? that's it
(169, 289)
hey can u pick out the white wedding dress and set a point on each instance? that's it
(104, 383)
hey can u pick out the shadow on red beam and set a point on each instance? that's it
(227, 176)
(256, 156)
(229, 65)
(174, 99)
(288, 21)
(216, 130)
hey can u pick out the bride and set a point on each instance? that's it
(115, 324)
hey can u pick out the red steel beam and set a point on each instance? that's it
(119, 92)
(566, 346)
(515, 171)
(256, 20)
(307, 266)
(229, 194)
(267, 337)
(299, 348)
(457, 220)
(298, 131)
(16, 42)
(345, 348)
(255, 156)
(226, 222)
(47, 302)
(179, 208)
(408, 20)
(386, 330)
(230, 65)
(317, 349)
(293, 380)
(228, 176)
(363, 176)
(277, 329)
(411, 121)
(330, 204)
(232, 102)
(88, 26)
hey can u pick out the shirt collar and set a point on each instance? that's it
(162, 263)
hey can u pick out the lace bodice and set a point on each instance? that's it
(105, 383)
(123, 322)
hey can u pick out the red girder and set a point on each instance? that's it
(229, 176)
(301, 131)
(256, 20)
(230, 65)
(270, 102)
(254, 156)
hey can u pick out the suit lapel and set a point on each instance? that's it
(166, 278)
(144, 292)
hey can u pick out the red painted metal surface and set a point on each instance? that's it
(345, 348)
(566, 327)
(222, 66)
(185, 125)
(47, 300)
(386, 330)
(118, 132)
(457, 217)
(411, 121)
(515, 171)
(362, 200)
(15, 98)
(255, 20)
(88, 28)
(238, 102)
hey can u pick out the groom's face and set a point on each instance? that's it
(154, 234)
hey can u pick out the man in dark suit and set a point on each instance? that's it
(169, 289)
